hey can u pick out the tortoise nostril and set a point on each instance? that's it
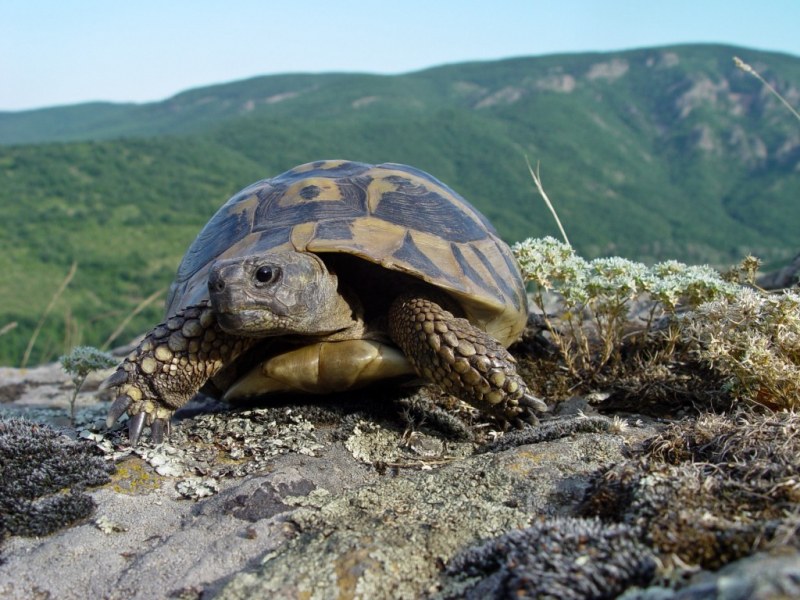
(215, 283)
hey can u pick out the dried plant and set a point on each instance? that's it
(753, 340)
(688, 321)
(740, 64)
(79, 363)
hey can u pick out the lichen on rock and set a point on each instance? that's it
(390, 539)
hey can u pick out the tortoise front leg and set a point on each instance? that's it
(168, 367)
(464, 360)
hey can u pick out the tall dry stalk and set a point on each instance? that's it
(141, 306)
(25, 357)
(8, 327)
(72, 330)
(537, 180)
(748, 69)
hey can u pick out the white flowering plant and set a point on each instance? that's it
(721, 324)
(602, 299)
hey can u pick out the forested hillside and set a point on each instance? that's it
(650, 154)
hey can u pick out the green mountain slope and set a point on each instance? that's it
(654, 153)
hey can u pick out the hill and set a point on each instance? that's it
(651, 154)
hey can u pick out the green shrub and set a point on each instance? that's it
(602, 299)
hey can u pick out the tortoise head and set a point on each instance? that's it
(281, 293)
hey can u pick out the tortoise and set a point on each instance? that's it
(329, 277)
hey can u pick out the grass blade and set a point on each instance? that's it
(538, 181)
(25, 357)
(748, 69)
(141, 306)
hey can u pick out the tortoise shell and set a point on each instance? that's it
(392, 215)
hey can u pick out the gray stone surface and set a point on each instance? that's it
(303, 500)
(392, 536)
(763, 576)
(782, 278)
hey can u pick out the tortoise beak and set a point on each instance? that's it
(220, 289)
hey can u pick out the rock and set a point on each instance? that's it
(763, 576)
(782, 278)
(339, 498)
(390, 538)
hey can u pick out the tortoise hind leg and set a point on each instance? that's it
(464, 360)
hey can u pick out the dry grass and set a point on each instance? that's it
(748, 69)
(537, 180)
(124, 323)
(709, 490)
(26, 356)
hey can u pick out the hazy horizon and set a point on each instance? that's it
(92, 51)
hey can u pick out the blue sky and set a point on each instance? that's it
(55, 52)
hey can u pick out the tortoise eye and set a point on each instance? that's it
(267, 274)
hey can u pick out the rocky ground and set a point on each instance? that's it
(368, 498)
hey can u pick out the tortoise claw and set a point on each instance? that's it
(157, 430)
(117, 379)
(533, 402)
(135, 426)
(526, 419)
(117, 409)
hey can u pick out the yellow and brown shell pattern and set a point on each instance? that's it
(392, 215)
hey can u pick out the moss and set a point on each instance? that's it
(548, 431)
(437, 410)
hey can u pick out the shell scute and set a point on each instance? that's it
(285, 206)
(423, 209)
(420, 260)
(229, 225)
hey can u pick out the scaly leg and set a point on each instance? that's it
(168, 367)
(464, 360)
